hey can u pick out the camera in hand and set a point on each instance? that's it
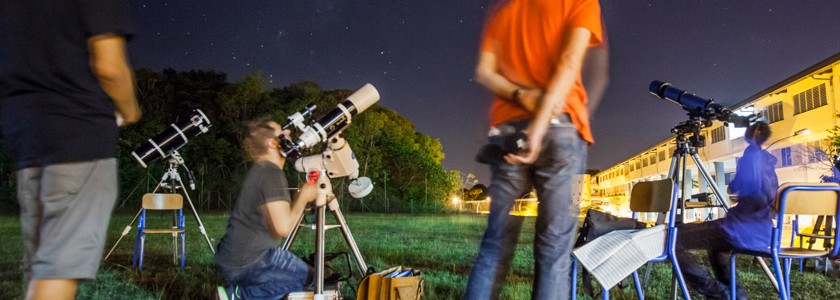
(511, 143)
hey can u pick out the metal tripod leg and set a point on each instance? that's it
(320, 233)
(197, 218)
(320, 228)
(287, 244)
(124, 233)
(348, 237)
(130, 224)
(708, 178)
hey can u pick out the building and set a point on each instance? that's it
(802, 110)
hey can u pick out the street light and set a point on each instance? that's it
(803, 131)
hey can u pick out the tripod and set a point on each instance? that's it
(326, 198)
(687, 147)
(171, 182)
(688, 140)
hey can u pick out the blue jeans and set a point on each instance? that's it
(556, 175)
(278, 273)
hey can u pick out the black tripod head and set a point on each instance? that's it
(689, 131)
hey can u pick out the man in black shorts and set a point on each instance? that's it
(248, 255)
(65, 86)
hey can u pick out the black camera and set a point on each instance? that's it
(494, 152)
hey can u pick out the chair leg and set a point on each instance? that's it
(136, 248)
(605, 293)
(183, 249)
(777, 268)
(788, 262)
(638, 284)
(574, 278)
(733, 278)
(142, 248)
(801, 264)
(678, 273)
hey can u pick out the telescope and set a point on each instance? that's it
(331, 124)
(697, 106)
(173, 138)
(337, 160)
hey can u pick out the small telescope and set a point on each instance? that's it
(172, 139)
(697, 106)
(331, 124)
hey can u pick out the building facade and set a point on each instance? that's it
(802, 110)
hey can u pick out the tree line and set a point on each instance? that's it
(404, 165)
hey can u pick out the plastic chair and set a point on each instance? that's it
(173, 202)
(795, 199)
(658, 196)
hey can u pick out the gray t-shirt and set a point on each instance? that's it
(247, 238)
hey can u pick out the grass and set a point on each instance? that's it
(443, 246)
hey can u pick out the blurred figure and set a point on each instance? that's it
(595, 73)
(65, 86)
(530, 60)
(756, 184)
(249, 257)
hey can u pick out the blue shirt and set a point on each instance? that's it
(749, 224)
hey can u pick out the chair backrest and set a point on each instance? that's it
(652, 196)
(808, 198)
(163, 201)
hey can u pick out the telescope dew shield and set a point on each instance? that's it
(173, 138)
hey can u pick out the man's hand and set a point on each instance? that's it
(530, 99)
(528, 156)
(307, 193)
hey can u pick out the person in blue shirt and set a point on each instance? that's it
(755, 183)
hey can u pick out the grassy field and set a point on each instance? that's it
(443, 246)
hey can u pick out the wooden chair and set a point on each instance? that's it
(174, 203)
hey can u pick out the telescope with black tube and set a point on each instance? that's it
(173, 138)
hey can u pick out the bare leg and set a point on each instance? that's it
(58, 289)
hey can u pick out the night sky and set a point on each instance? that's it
(421, 56)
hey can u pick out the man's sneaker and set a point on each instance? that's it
(224, 294)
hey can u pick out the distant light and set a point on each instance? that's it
(803, 131)
(455, 200)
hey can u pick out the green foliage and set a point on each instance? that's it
(403, 164)
(379, 136)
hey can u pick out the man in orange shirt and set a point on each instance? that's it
(531, 57)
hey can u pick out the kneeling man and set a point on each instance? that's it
(248, 255)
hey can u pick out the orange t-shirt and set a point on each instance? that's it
(526, 36)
